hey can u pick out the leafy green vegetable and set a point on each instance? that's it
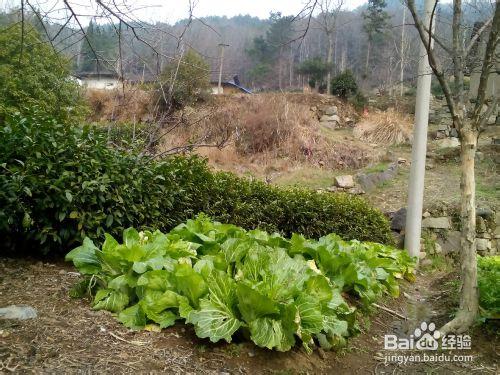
(223, 279)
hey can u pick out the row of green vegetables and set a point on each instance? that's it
(225, 280)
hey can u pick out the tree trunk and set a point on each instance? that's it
(367, 62)
(329, 62)
(469, 294)
(402, 55)
(280, 68)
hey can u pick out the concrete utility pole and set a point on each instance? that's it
(221, 45)
(419, 147)
(402, 53)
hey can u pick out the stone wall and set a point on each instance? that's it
(441, 228)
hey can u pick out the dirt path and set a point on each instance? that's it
(69, 337)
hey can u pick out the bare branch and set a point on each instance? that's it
(83, 31)
(433, 62)
(476, 36)
(491, 46)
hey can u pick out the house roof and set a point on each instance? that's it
(229, 83)
(96, 75)
(232, 84)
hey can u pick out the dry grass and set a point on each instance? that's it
(130, 104)
(268, 130)
(389, 127)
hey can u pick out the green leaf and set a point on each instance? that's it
(319, 288)
(69, 196)
(214, 320)
(190, 283)
(334, 327)
(156, 280)
(84, 258)
(157, 301)
(253, 305)
(165, 318)
(133, 317)
(109, 244)
(130, 237)
(270, 333)
(150, 264)
(111, 300)
(184, 307)
(109, 220)
(123, 282)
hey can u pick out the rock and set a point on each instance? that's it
(484, 212)
(356, 190)
(440, 135)
(426, 263)
(345, 181)
(437, 248)
(332, 110)
(399, 239)
(496, 233)
(329, 124)
(422, 255)
(495, 247)
(402, 161)
(492, 120)
(426, 214)
(369, 181)
(399, 220)
(349, 121)
(21, 312)
(484, 235)
(436, 223)
(479, 156)
(451, 243)
(326, 118)
(448, 143)
(480, 225)
(454, 133)
(483, 244)
(321, 353)
(442, 127)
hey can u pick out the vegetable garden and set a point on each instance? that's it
(226, 281)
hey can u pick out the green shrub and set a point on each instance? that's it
(32, 74)
(436, 88)
(489, 289)
(344, 85)
(359, 101)
(60, 183)
(191, 80)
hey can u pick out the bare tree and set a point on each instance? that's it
(469, 120)
(327, 20)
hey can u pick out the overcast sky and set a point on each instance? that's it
(258, 8)
(173, 10)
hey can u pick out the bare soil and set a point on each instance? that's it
(69, 337)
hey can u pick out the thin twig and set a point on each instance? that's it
(395, 313)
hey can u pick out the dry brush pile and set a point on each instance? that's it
(127, 104)
(265, 127)
(389, 127)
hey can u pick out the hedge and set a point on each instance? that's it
(59, 183)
